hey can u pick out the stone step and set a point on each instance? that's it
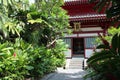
(75, 65)
(76, 62)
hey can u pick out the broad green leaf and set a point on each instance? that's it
(115, 41)
(35, 21)
(4, 49)
(103, 46)
(2, 54)
(29, 17)
(100, 56)
(29, 67)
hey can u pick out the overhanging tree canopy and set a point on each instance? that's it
(111, 7)
(42, 21)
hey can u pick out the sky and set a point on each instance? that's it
(31, 1)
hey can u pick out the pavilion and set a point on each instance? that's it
(86, 24)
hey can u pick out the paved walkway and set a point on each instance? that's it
(73, 70)
(66, 74)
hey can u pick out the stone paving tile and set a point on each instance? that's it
(67, 74)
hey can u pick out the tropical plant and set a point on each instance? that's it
(44, 22)
(29, 34)
(58, 52)
(45, 60)
(22, 60)
(13, 62)
(111, 7)
(10, 27)
(105, 64)
(110, 32)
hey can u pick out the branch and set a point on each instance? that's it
(51, 43)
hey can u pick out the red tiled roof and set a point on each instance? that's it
(88, 17)
(73, 2)
(82, 10)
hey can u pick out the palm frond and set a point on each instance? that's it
(100, 56)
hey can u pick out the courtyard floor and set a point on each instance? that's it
(66, 74)
(73, 71)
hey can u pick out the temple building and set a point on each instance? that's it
(86, 24)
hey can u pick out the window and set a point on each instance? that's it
(89, 42)
(67, 41)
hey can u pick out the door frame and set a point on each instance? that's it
(72, 44)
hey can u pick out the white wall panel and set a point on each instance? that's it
(87, 34)
(68, 53)
(88, 52)
(71, 35)
(92, 29)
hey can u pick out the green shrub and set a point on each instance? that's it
(21, 60)
(42, 60)
(13, 63)
(46, 60)
(58, 52)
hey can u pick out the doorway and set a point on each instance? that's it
(78, 46)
